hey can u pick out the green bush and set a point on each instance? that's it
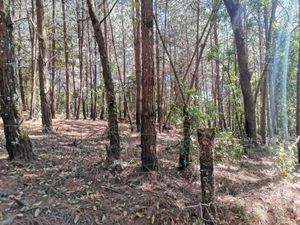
(228, 147)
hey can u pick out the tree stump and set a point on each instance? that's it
(206, 141)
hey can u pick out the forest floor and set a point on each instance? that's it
(69, 183)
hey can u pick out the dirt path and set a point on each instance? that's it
(70, 184)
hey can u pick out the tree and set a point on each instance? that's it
(113, 153)
(148, 133)
(137, 57)
(18, 143)
(53, 64)
(63, 3)
(234, 9)
(298, 93)
(43, 68)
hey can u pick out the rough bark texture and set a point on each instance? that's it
(43, 68)
(148, 133)
(206, 140)
(234, 9)
(18, 143)
(113, 133)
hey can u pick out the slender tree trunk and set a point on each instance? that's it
(63, 2)
(80, 30)
(235, 12)
(43, 68)
(95, 84)
(53, 60)
(158, 83)
(148, 135)
(33, 37)
(222, 121)
(113, 128)
(137, 57)
(298, 95)
(18, 144)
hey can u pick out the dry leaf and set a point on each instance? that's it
(140, 215)
(19, 215)
(37, 212)
(77, 217)
(153, 219)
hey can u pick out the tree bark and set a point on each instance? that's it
(66, 61)
(298, 95)
(206, 142)
(80, 31)
(148, 133)
(18, 144)
(33, 37)
(53, 60)
(43, 68)
(115, 149)
(234, 9)
(137, 57)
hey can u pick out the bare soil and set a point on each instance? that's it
(69, 183)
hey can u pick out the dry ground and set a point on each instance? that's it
(70, 184)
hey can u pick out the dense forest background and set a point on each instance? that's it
(152, 85)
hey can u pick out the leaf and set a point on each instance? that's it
(37, 212)
(77, 217)
(153, 219)
(140, 215)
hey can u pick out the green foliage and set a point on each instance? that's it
(284, 159)
(228, 147)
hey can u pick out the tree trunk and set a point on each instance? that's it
(66, 61)
(137, 57)
(206, 142)
(234, 10)
(52, 93)
(43, 68)
(18, 143)
(33, 37)
(80, 31)
(115, 149)
(148, 135)
(185, 148)
(298, 95)
(21, 78)
(158, 83)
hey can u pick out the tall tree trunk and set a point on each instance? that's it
(113, 128)
(20, 72)
(43, 68)
(234, 9)
(18, 143)
(63, 2)
(222, 121)
(80, 31)
(298, 94)
(137, 57)
(158, 83)
(33, 37)
(148, 133)
(53, 60)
